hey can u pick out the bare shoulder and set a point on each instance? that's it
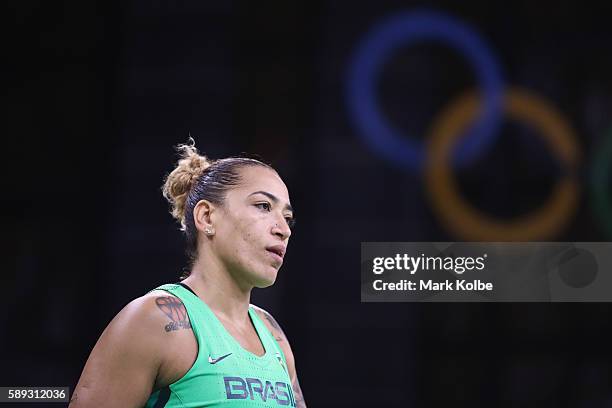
(172, 309)
(270, 323)
(139, 321)
(152, 314)
(140, 329)
(278, 333)
(132, 348)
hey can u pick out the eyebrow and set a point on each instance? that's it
(273, 198)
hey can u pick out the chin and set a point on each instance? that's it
(265, 278)
(264, 284)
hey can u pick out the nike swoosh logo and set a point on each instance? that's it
(216, 360)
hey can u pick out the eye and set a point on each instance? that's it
(290, 221)
(264, 206)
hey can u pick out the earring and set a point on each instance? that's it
(209, 231)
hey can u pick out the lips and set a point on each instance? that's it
(277, 249)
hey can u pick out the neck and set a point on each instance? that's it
(215, 285)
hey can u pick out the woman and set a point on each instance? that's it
(199, 343)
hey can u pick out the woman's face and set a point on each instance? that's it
(252, 227)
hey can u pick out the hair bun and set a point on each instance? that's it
(179, 182)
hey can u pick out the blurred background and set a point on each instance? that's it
(334, 95)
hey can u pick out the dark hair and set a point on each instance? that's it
(197, 178)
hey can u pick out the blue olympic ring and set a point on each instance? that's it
(405, 29)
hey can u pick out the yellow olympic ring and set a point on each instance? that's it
(468, 222)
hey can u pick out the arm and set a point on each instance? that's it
(123, 366)
(283, 342)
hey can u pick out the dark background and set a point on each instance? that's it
(98, 92)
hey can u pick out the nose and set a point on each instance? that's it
(281, 229)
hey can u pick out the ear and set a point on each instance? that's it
(202, 217)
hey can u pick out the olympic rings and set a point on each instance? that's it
(600, 183)
(468, 222)
(402, 30)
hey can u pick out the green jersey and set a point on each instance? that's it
(224, 373)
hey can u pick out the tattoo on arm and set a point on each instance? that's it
(297, 392)
(175, 310)
(279, 335)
